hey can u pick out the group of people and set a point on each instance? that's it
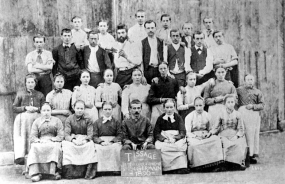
(93, 96)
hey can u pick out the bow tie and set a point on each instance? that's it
(199, 49)
(58, 90)
(39, 52)
(105, 119)
(79, 118)
(169, 118)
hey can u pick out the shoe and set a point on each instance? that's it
(57, 176)
(242, 168)
(182, 171)
(36, 178)
(253, 160)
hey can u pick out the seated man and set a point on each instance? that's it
(107, 138)
(169, 133)
(137, 130)
(161, 90)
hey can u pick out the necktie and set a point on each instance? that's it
(66, 47)
(169, 120)
(58, 90)
(209, 32)
(39, 59)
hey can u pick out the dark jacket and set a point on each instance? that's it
(186, 43)
(70, 68)
(146, 50)
(103, 59)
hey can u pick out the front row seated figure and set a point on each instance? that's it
(45, 154)
(169, 133)
(79, 156)
(107, 139)
(204, 150)
(137, 130)
(229, 126)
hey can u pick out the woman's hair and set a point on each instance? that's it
(199, 98)
(46, 103)
(31, 76)
(169, 100)
(58, 75)
(108, 69)
(84, 71)
(79, 101)
(190, 74)
(136, 69)
(229, 96)
(106, 103)
(219, 66)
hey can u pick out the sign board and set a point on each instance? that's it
(141, 162)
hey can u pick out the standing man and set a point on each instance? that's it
(178, 57)
(127, 57)
(201, 59)
(40, 62)
(137, 130)
(208, 32)
(164, 32)
(152, 52)
(137, 32)
(96, 59)
(225, 55)
(187, 29)
(68, 60)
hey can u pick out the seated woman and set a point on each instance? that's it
(79, 155)
(109, 92)
(136, 90)
(60, 99)
(185, 102)
(214, 94)
(169, 133)
(27, 103)
(87, 94)
(45, 154)
(107, 138)
(204, 150)
(229, 126)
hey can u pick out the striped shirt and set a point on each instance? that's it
(250, 95)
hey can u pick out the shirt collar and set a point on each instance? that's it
(229, 111)
(196, 47)
(95, 48)
(68, 45)
(105, 119)
(165, 79)
(165, 117)
(176, 46)
(136, 119)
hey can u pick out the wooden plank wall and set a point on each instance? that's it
(20, 20)
(254, 27)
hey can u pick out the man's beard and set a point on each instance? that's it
(122, 39)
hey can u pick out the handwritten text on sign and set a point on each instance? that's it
(141, 163)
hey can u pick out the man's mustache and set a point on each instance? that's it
(137, 113)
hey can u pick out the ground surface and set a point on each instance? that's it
(270, 169)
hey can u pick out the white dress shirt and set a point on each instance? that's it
(133, 52)
(153, 54)
(137, 33)
(92, 61)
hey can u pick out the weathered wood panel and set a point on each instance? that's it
(20, 20)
